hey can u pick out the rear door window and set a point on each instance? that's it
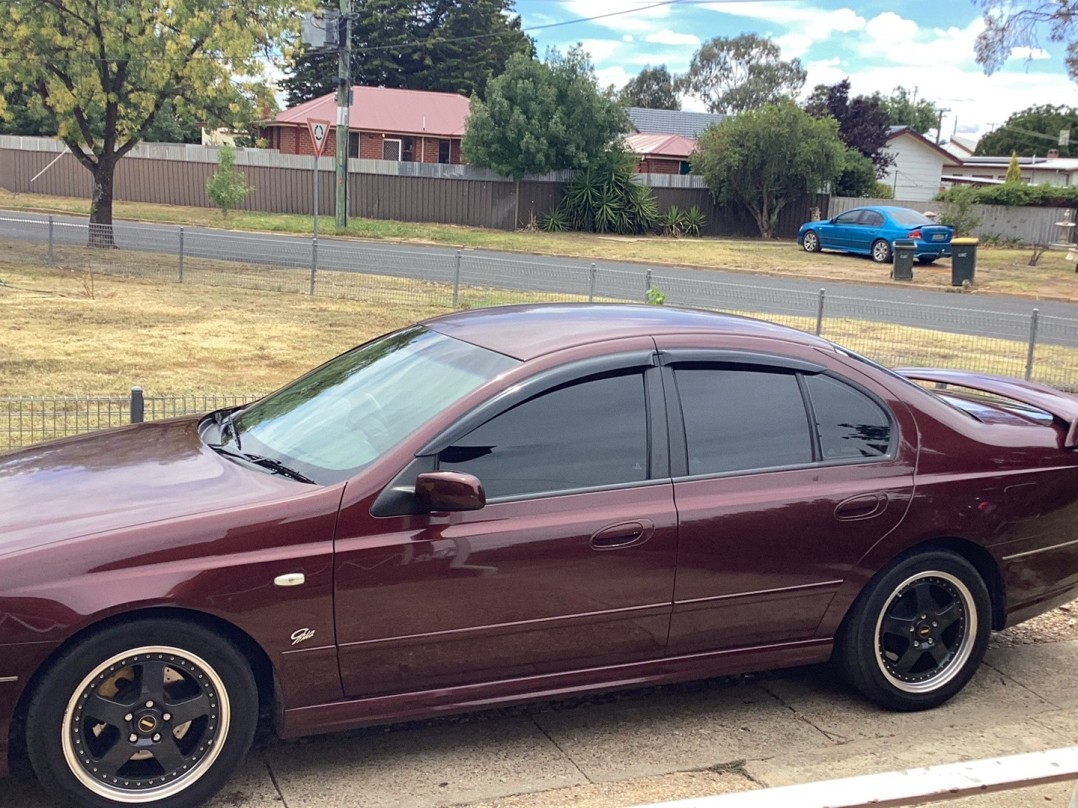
(739, 419)
(850, 424)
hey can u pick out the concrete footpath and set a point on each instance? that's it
(665, 743)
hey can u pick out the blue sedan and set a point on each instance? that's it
(873, 231)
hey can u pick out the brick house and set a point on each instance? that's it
(663, 139)
(384, 124)
(661, 154)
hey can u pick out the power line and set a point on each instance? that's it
(443, 41)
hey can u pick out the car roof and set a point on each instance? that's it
(527, 331)
(886, 208)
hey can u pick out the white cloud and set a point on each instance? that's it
(898, 41)
(809, 23)
(630, 17)
(1030, 54)
(616, 76)
(794, 46)
(601, 50)
(668, 37)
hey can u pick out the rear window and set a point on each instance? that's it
(905, 216)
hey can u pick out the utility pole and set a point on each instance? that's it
(344, 104)
(939, 126)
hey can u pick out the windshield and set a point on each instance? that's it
(341, 416)
(908, 218)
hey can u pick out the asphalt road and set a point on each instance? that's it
(766, 295)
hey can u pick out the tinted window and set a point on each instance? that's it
(580, 436)
(908, 217)
(850, 424)
(849, 217)
(871, 218)
(739, 419)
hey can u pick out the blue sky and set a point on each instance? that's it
(914, 43)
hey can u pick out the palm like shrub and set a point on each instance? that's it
(605, 198)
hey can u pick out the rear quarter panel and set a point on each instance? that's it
(1010, 489)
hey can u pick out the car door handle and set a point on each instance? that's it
(623, 534)
(862, 506)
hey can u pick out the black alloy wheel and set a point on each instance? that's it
(918, 632)
(123, 720)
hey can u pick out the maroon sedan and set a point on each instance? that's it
(503, 504)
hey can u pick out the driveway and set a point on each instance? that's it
(664, 743)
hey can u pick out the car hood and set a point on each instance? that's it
(122, 478)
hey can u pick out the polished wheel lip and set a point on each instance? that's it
(181, 782)
(955, 664)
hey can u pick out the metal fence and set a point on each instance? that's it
(28, 420)
(1030, 346)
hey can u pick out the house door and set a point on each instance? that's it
(391, 149)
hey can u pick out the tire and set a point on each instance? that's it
(811, 242)
(917, 633)
(881, 251)
(185, 695)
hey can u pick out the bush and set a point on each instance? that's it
(958, 210)
(882, 190)
(227, 187)
(605, 198)
(1048, 196)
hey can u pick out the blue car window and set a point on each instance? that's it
(906, 217)
(871, 218)
(849, 217)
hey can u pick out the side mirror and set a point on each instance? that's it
(449, 491)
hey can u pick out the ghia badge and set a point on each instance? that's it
(302, 635)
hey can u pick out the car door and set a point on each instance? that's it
(867, 229)
(838, 234)
(569, 565)
(784, 475)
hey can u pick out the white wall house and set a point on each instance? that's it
(918, 167)
(1049, 170)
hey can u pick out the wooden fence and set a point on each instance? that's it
(176, 175)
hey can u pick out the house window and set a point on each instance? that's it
(444, 147)
(391, 149)
(353, 144)
(407, 149)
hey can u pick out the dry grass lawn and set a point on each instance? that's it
(167, 338)
(75, 331)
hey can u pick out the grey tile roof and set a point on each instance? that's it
(672, 122)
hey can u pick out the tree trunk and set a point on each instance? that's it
(104, 173)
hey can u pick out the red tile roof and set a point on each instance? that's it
(672, 146)
(384, 109)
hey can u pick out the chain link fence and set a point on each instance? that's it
(1040, 348)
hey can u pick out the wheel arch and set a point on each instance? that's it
(982, 560)
(985, 564)
(261, 667)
